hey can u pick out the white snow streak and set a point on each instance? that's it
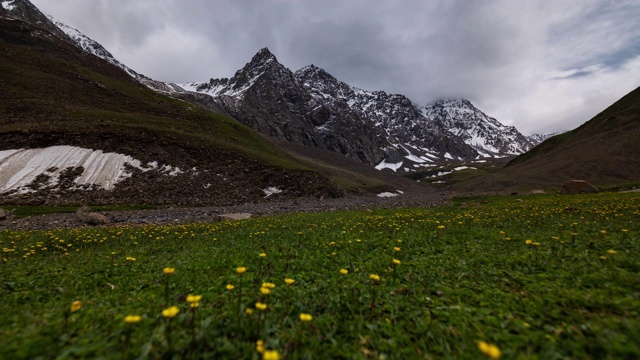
(386, 165)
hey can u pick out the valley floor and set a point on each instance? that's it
(172, 215)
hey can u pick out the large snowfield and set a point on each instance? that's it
(20, 167)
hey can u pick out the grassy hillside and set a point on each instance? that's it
(548, 277)
(53, 94)
(604, 151)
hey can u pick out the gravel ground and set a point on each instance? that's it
(209, 214)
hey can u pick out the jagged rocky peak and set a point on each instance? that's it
(24, 10)
(314, 72)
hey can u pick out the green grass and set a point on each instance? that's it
(544, 276)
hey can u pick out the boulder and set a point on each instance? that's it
(577, 187)
(96, 219)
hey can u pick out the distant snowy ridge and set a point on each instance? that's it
(28, 170)
(539, 138)
(93, 47)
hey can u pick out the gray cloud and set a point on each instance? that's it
(541, 65)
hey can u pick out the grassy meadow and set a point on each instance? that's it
(531, 277)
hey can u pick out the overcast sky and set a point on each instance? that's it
(541, 66)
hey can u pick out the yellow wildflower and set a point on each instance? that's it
(271, 355)
(241, 270)
(170, 312)
(75, 306)
(489, 350)
(168, 271)
(129, 258)
(261, 306)
(396, 261)
(528, 242)
(230, 287)
(603, 232)
(193, 298)
(194, 305)
(248, 311)
(440, 227)
(289, 281)
(132, 319)
(260, 346)
(602, 257)
(612, 252)
(344, 271)
(268, 285)
(374, 277)
(396, 249)
(265, 291)
(262, 255)
(305, 317)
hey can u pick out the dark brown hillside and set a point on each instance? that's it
(604, 151)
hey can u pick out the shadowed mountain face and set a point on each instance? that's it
(604, 151)
(313, 108)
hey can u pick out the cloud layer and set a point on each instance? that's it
(541, 65)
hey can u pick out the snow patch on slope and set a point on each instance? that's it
(8, 5)
(27, 170)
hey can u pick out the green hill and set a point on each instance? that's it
(54, 94)
(604, 151)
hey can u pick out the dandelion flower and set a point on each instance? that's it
(612, 252)
(289, 281)
(268, 285)
(230, 287)
(528, 242)
(374, 277)
(271, 355)
(603, 232)
(344, 271)
(75, 306)
(132, 319)
(441, 227)
(248, 311)
(396, 249)
(168, 271)
(262, 255)
(170, 312)
(305, 317)
(396, 261)
(260, 346)
(194, 305)
(489, 350)
(602, 257)
(261, 306)
(193, 298)
(241, 270)
(265, 291)
(129, 258)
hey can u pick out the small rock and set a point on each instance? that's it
(4, 214)
(83, 210)
(367, 210)
(235, 216)
(96, 219)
